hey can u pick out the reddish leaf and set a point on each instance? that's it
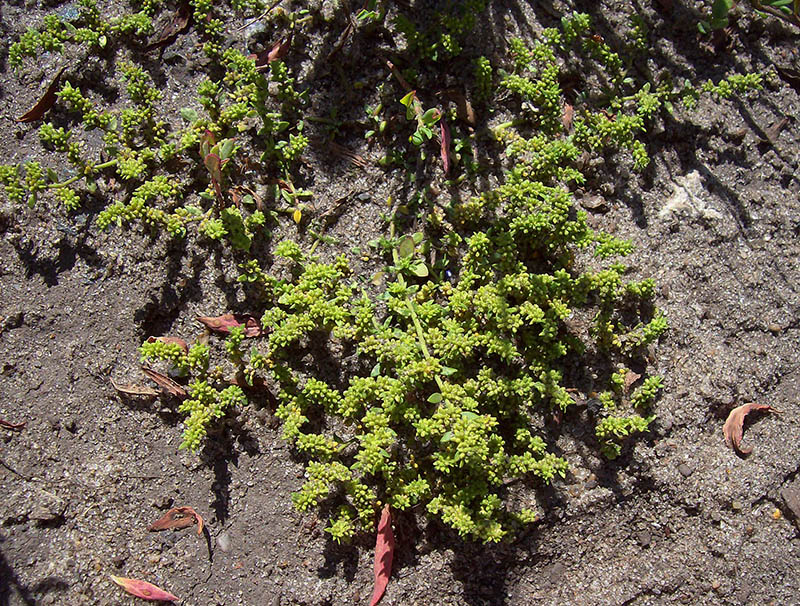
(178, 517)
(384, 552)
(445, 149)
(566, 117)
(131, 389)
(165, 382)
(176, 340)
(207, 141)
(9, 425)
(223, 324)
(278, 51)
(45, 103)
(178, 25)
(733, 427)
(144, 590)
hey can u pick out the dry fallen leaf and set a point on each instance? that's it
(176, 340)
(178, 517)
(131, 389)
(45, 103)
(630, 378)
(178, 25)
(165, 382)
(566, 117)
(223, 324)
(144, 590)
(445, 147)
(733, 427)
(10, 425)
(384, 552)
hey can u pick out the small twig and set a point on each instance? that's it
(261, 16)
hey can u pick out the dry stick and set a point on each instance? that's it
(261, 16)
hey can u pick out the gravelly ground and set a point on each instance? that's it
(679, 519)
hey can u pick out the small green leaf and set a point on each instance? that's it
(420, 270)
(226, 148)
(435, 398)
(406, 247)
(447, 437)
(189, 114)
(447, 371)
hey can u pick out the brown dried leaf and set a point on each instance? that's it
(733, 427)
(445, 147)
(774, 131)
(790, 75)
(278, 51)
(166, 383)
(178, 25)
(134, 390)
(566, 117)
(223, 324)
(45, 103)
(464, 109)
(10, 425)
(175, 340)
(630, 378)
(178, 517)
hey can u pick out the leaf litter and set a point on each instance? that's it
(144, 590)
(165, 383)
(176, 518)
(47, 101)
(223, 324)
(384, 553)
(734, 425)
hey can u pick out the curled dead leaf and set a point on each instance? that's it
(178, 25)
(144, 590)
(733, 428)
(166, 383)
(10, 425)
(445, 147)
(223, 324)
(178, 517)
(46, 102)
(130, 389)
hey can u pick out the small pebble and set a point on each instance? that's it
(685, 470)
(644, 538)
(224, 541)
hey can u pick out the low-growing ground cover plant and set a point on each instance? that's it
(493, 318)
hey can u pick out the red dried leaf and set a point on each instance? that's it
(144, 590)
(45, 103)
(166, 383)
(10, 425)
(131, 389)
(278, 51)
(384, 552)
(223, 324)
(178, 517)
(445, 148)
(733, 427)
(176, 340)
(178, 25)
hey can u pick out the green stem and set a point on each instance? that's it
(72, 180)
(421, 338)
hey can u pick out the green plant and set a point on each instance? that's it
(721, 10)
